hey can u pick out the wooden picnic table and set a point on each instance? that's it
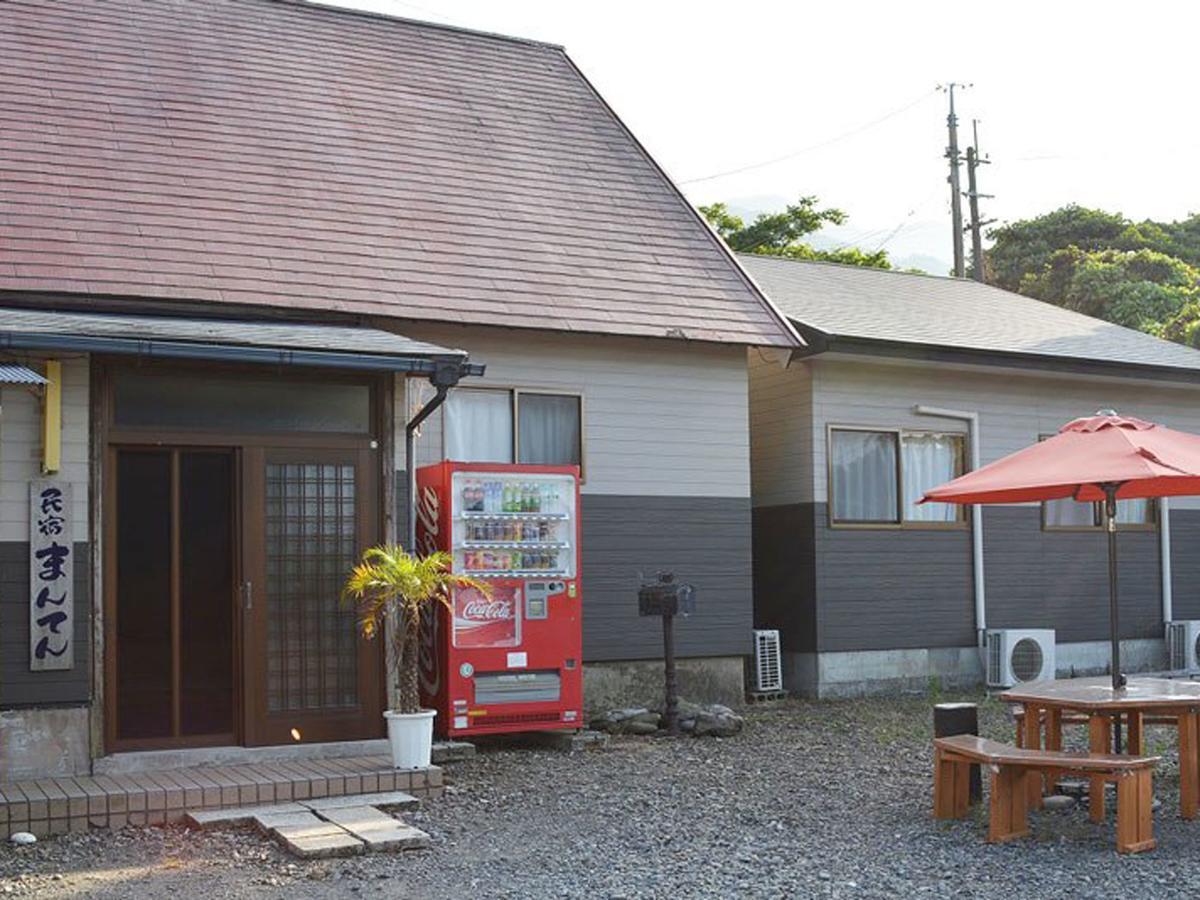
(1163, 699)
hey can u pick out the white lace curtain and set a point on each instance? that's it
(864, 476)
(929, 460)
(479, 426)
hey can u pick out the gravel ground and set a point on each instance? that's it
(826, 800)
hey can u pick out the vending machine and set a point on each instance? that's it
(508, 659)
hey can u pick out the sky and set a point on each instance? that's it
(1089, 103)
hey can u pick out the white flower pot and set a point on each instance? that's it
(411, 737)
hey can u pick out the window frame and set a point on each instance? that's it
(961, 521)
(514, 409)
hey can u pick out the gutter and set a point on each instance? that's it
(446, 376)
(159, 349)
(972, 420)
(1164, 555)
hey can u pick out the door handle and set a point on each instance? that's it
(247, 596)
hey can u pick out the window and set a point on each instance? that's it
(479, 427)
(1073, 515)
(877, 477)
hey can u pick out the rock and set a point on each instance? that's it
(1058, 802)
(23, 837)
(631, 720)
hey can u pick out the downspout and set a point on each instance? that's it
(445, 376)
(1164, 553)
(972, 420)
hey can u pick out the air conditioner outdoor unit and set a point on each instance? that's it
(1183, 645)
(1016, 655)
(768, 661)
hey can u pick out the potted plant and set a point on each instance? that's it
(393, 585)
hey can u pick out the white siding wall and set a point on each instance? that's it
(782, 431)
(660, 417)
(21, 448)
(1014, 407)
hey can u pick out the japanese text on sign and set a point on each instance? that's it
(51, 574)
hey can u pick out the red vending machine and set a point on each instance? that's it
(510, 661)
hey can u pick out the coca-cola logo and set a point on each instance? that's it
(427, 541)
(481, 610)
(428, 526)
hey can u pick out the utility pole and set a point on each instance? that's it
(953, 156)
(974, 161)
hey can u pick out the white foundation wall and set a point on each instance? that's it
(661, 417)
(21, 448)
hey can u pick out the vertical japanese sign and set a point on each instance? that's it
(51, 577)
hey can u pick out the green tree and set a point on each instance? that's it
(1141, 289)
(781, 233)
(1144, 275)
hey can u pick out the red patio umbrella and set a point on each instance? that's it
(1105, 457)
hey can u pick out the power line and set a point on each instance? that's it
(809, 149)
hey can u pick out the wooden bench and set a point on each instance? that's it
(1011, 766)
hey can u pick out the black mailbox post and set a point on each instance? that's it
(664, 597)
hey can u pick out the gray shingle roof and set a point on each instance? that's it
(270, 152)
(273, 335)
(958, 314)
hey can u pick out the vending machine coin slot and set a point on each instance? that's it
(537, 594)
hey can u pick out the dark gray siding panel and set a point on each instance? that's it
(18, 685)
(703, 540)
(785, 589)
(1059, 580)
(881, 589)
(1185, 563)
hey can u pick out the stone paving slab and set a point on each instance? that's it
(238, 815)
(268, 822)
(318, 841)
(385, 799)
(378, 830)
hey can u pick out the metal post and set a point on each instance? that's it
(1114, 616)
(671, 704)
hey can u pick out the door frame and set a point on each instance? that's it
(379, 464)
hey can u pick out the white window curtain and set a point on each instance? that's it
(864, 476)
(549, 432)
(929, 460)
(479, 426)
(1070, 514)
(1134, 512)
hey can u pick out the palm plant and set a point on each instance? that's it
(393, 584)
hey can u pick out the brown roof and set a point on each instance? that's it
(278, 153)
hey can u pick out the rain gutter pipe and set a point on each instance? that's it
(1164, 554)
(445, 376)
(972, 420)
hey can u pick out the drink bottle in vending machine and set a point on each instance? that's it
(507, 658)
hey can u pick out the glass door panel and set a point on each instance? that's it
(173, 628)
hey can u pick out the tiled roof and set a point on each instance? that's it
(271, 152)
(954, 313)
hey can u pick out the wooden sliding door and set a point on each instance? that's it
(308, 513)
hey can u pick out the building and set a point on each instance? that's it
(905, 377)
(241, 242)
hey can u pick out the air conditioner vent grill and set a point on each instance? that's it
(768, 662)
(1027, 660)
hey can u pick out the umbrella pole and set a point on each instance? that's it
(1110, 525)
